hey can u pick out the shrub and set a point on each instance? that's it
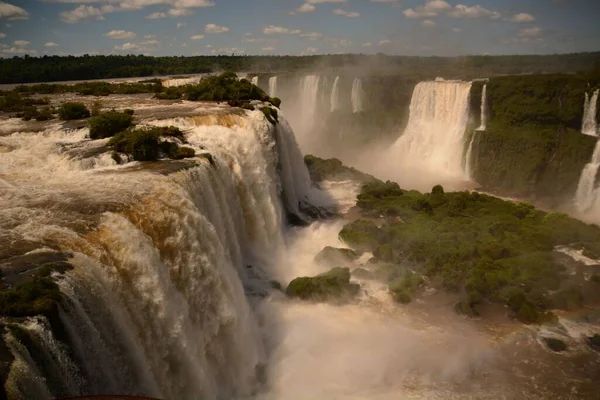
(555, 345)
(109, 124)
(71, 111)
(276, 101)
(271, 114)
(141, 144)
(96, 108)
(437, 189)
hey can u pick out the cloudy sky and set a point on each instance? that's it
(199, 27)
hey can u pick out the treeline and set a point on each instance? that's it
(56, 68)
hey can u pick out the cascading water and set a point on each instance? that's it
(255, 80)
(273, 86)
(434, 137)
(468, 156)
(357, 96)
(587, 194)
(334, 102)
(483, 125)
(156, 302)
(589, 125)
(175, 82)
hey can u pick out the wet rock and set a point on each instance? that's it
(333, 285)
(554, 344)
(336, 256)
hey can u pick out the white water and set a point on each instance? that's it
(589, 124)
(357, 96)
(434, 138)
(334, 101)
(468, 158)
(175, 82)
(586, 196)
(273, 86)
(255, 80)
(156, 303)
(483, 125)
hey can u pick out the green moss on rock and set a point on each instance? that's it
(332, 285)
(336, 256)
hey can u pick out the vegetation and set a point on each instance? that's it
(594, 341)
(478, 246)
(335, 256)
(332, 169)
(35, 296)
(332, 285)
(110, 123)
(555, 345)
(56, 68)
(148, 144)
(73, 110)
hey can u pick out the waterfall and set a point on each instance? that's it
(334, 102)
(483, 125)
(357, 96)
(587, 194)
(175, 82)
(468, 156)
(589, 125)
(255, 80)
(164, 257)
(309, 95)
(434, 136)
(273, 86)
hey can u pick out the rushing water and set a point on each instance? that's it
(434, 137)
(273, 86)
(357, 96)
(589, 125)
(586, 196)
(334, 101)
(483, 125)
(255, 80)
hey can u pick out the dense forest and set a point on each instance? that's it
(56, 68)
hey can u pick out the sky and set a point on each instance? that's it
(298, 27)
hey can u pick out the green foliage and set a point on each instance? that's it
(271, 114)
(109, 124)
(172, 93)
(403, 288)
(73, 110)
(225, 87)
(437, 189)
(332, 169)
(483, 247)
(555, 345)
(147, 144)
(276, 101)
(332, 285)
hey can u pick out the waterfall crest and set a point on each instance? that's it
(483, 125)
(357, 96)
(434, 137)
(175, 82)
(273, 86)
(589, 124)
(157, 301)
(334, 101)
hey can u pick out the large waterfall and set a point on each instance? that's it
(164, 256)
(587, 193)
(334, 101)
(357, 96)
(434, 137)
(483, 125)
(273, 86)
(589, 125)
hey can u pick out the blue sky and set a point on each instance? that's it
(200, 27)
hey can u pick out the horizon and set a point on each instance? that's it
(411, 28)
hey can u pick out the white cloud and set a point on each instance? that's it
(179, 12)
(119, 35)
(21, 43)
(385, 42)
(367, 44)
(150, 43)
(530, 32)
(228, 50)
(18, 50)
(50, 44)
(12, 12)
(212, 28)
(128, 46)
(273, 30)
(156, 15)
(456, 30)
(349, 14)
(309, 50)
(462, 11)
(432, 8)
(181, 25)
(306, 8)
(385, 1)
(523, 17)
(312, 35)
(209, 46)
(2, 35)
(150, 37)
(428, 23)
(197, 37)
(268, 49)
(80, 13)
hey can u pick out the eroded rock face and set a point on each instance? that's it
(333, 285)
